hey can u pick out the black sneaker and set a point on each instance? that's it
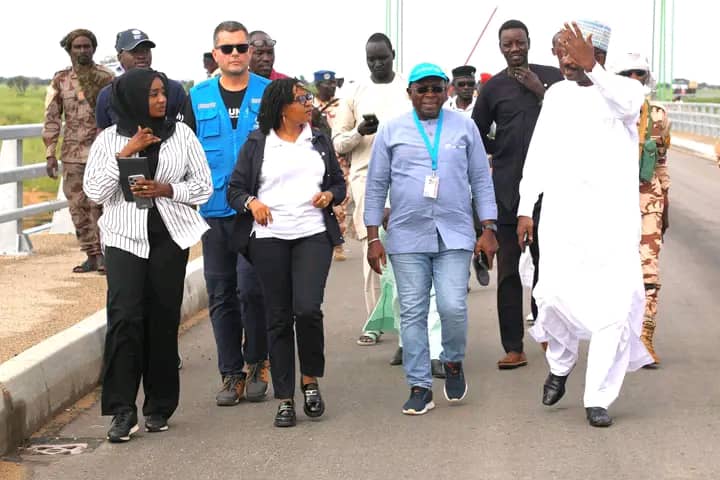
(156, 423)
(420, 401)
(455, 386)
(232, 392)
(436, 368)
(124, 424)
(285, 416)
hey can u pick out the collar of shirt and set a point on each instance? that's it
(304, 139)
(452, 104)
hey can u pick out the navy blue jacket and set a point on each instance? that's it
(105, 116)
(245, 181)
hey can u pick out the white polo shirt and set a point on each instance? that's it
(291, 173)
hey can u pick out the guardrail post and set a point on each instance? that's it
(61, 220)
(12, 239)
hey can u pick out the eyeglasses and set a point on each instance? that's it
(469, 83)
(308, 97)
(636, 72)
(425, 89)
(228, 49)
(263, 43)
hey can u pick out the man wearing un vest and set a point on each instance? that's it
(222, 111)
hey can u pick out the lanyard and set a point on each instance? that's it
(434, 149)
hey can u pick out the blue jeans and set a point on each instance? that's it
(415, 273)
(235, 300)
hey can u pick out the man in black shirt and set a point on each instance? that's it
(512, 100)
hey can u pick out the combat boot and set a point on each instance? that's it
(646, 337)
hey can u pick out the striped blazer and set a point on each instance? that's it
(182, 164)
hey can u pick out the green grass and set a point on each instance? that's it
(22, 109)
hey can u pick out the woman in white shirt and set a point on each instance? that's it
(146, 250)
(285, 183)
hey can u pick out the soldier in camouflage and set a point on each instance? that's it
(653, 199)
(72, 94)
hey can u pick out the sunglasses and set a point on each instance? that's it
(425, 89)
(228, 49)
(263, 43)
(308, 97)
(637, 73)
(469, 83)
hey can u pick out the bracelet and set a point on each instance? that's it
(373, 240)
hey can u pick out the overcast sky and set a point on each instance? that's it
(331, 34)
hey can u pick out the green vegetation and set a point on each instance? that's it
(705, 95)
(21, 108)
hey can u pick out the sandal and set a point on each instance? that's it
(89, 265)
(368, 339)
(313, 405)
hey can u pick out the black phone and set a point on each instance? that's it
(370, 118)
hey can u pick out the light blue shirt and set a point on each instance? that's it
(400, 163)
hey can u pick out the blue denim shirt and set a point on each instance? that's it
(399, 165)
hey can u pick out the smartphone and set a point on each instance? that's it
(140, 202)
(370, 118)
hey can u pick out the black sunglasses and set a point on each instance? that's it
(637, 73)
(304, 98)
(228, 49)
(425, 89)
(469, 83)
(263, 43)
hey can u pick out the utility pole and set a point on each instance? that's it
(665, 67)
(394, 13)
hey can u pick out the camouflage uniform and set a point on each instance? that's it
(66, 98)
(327, 111)
(653, 195)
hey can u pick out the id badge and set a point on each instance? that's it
(432, 184)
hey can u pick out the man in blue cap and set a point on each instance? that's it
(325, 106)
(430, 160)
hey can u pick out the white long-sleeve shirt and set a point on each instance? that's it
(385, 100)
(181, 163)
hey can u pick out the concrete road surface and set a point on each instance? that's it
(667, 421)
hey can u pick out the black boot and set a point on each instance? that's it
(598, 417)
(553, 389)
(397, 357)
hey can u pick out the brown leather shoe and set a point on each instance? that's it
(512, 360)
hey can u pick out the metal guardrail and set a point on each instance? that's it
(12, 170)
(696, 118)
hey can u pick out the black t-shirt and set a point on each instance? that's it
(515, 110)
(232, 101)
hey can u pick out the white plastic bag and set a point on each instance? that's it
(526, 268)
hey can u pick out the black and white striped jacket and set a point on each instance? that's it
(182, 164)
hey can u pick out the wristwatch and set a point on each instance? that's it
(247, 202)
(489, 226)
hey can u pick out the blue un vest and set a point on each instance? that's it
(220, 142)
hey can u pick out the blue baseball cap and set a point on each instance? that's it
(424, 70)
(321, 75)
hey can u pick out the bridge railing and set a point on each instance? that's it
(695, 118)
(13, 239)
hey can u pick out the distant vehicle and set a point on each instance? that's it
(682, 87)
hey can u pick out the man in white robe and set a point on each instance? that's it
(591, 285)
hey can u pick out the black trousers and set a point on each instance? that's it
(143, 313)
(293, 275)
(510, 290)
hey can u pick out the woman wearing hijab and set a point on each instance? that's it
(284, 186)
(146, 250)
